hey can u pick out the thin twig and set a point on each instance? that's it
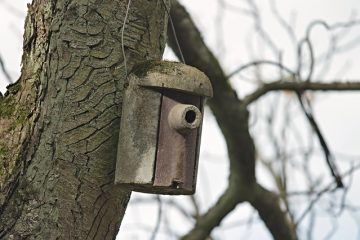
(329, 188)
(4, 70)
(260, 29)
(288, 28)
(196, 207)
(14, 11)
(328, 156)
(158, 221)
(301, 86)
(335, 26)
(261, 62)
(168, 202)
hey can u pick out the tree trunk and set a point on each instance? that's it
(59, 123)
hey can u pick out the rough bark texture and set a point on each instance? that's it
(59, 124)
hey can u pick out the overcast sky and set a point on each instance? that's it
(338, 113)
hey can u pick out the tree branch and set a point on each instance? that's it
(226, 106)
(301, 86)
(232, 117)
(306, 107)
(267, 204)
(4, 70)
(262, 62)
(226, 203)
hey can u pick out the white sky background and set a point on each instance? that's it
(337, 113)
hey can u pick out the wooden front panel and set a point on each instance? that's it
(176, 160)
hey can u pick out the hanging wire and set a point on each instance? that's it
(182, 59)
(122, 36)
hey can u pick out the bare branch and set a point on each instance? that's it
(232, 118)
(306, 40)
(14, 10)
(331, 187)
(226, 203)
(262, 62)
(288, 28)
(335, 26)
(311, 59)
(260, 29)
(196, 206)
(168, 202)
(4, 70)
(158, 221)
(301, 86)
(306, 107)
(267, 204)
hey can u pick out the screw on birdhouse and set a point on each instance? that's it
(160, 128)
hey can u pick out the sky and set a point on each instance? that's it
(337, 113)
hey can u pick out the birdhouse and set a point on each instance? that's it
(160, 128)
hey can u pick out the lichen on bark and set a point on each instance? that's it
(62, 117)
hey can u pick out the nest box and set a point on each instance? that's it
(160, 128)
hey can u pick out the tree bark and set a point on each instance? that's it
(59, 123)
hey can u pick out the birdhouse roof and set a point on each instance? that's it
(173, 75)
